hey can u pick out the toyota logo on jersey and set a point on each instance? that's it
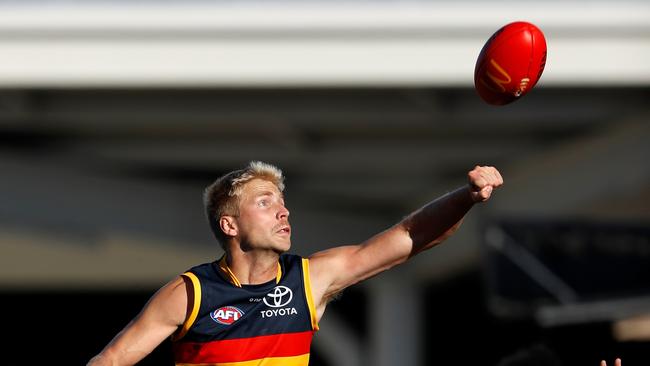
(279, 297)
(226, 315)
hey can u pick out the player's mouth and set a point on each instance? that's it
(284, 229)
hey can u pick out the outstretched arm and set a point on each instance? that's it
(159, 318)
(334, 269)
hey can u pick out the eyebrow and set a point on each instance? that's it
(267, 193)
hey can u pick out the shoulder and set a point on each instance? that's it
(169, 304)
(201, 268)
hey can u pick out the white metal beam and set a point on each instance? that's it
(313, 44)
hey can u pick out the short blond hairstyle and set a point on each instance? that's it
(221, 198)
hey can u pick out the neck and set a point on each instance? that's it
(250, 268)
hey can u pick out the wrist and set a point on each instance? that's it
(472, 194)
(464, 196)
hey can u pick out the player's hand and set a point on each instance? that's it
(617, 362)
(482, 182)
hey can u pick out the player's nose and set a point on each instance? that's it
(283, 212)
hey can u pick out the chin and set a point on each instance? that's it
(283, 248)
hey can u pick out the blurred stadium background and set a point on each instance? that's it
(114, 115)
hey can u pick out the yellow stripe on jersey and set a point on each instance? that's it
(302, 360)
(308, 293)
(195, 307)
(223, 265)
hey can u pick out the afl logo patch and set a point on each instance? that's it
(226, 315)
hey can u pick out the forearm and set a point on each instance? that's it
(125, 350)
(437, 220)
(98, 360)
(161, 316)
(115, 354)
(105, 358)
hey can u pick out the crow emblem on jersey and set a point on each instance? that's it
(226, 315)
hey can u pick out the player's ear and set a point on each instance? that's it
(228, 225)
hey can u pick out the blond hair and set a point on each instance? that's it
(221, 198)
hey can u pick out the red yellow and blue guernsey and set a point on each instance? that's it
(231, 324)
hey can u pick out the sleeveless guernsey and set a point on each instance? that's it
(230, 324)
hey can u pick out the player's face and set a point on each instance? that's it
(263, 221)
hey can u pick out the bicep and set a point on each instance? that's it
(335, 269)
(160, 318)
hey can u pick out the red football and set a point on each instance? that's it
(510, 63)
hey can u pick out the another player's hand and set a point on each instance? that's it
(482, 182)
(617, 362)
